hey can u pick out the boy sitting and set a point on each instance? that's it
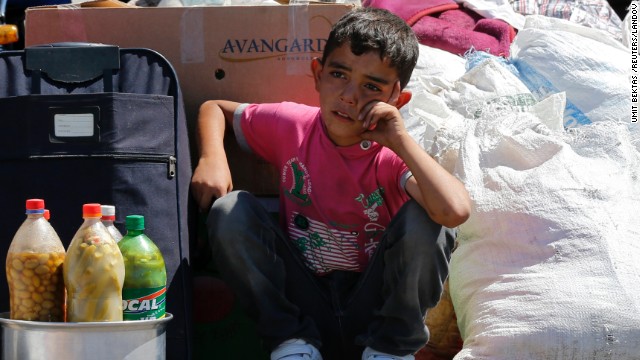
(363, 246)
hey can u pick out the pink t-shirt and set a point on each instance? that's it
(335, 202)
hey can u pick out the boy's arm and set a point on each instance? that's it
(212, 178)
(441, 194)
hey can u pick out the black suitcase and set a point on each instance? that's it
(84, 123)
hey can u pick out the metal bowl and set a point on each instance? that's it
(131, 340)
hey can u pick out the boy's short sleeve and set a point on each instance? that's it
(394, 174)
(237, 128)
(268, 130)
(404, 177)
(257, 127)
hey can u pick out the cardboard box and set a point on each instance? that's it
(240, 53)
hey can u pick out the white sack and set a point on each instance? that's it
(547, 265)
(554, 55)
(426, 112)
(442, 105)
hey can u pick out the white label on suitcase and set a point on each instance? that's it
(73, 125)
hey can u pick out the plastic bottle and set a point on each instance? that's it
(34, 269)
(93, 271)
(108, 217)
(145, 283)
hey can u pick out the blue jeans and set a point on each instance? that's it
(341, 313)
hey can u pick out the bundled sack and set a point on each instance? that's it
(590, 13)
(444, 98)
(554, 55)
(546, 266)
(435, 71)
(442, 103)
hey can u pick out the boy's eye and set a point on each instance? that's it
(337, 74)
(372, 87)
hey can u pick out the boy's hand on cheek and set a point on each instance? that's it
(383, 122)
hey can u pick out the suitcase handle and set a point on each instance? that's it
(72, 62)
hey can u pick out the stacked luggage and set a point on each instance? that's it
(95, 123)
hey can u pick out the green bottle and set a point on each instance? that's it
(145, 275)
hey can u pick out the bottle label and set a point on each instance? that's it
(144, 304)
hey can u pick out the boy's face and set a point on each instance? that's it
(346, 83)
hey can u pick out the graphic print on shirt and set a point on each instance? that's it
(371, 202)
(373, 230)
(324, 249)
(295, 182)
(326, 243)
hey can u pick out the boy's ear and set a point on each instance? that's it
(316, 70)
(403, 98)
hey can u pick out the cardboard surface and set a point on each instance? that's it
(240, 53)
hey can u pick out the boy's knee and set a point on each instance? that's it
(226, 202)
(222, 211)
(421, 229)
(415, 220)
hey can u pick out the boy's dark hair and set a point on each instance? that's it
(372, 29)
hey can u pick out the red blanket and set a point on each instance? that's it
(443, 24)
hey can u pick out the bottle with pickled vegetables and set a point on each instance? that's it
(108, 217)
(34, 269)
(145, 282)
(93, 271)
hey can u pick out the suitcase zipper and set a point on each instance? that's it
(170, 160)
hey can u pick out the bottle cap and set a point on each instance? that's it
(91, 210)
(134, 222)
(35, 206)
(108, 212)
